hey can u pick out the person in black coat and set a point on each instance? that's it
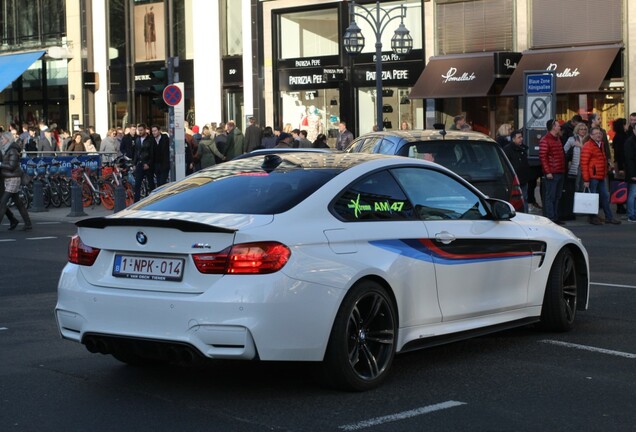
(143, 160)
(321, 141)
(517, 153)
(619, 127)
(161, 155)
(630, 175)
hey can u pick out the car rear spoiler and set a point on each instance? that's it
(180, 224)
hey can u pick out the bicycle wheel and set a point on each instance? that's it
(87, 195)
(107, 193)
(54, 190)
(130, 197)
(23, 194)
(65, 192)
(46, 189)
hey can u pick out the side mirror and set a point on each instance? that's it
(501, 210)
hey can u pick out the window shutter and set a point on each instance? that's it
(573, 22)
(474, 26)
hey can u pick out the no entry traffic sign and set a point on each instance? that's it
(172, 95)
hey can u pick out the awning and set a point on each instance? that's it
(578, 70)
(14, 65)
(467, 75)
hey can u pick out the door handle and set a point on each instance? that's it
(444, 237)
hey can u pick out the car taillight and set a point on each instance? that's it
(246, 258)
(516, 195)
(79, 253)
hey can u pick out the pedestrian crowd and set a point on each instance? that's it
(574, 157)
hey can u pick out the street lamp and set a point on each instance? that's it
(401, 43)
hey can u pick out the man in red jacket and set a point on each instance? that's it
(553, 165)
(594, 171)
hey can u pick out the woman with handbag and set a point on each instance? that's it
(573, 181)
(11, 174)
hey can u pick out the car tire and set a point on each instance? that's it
(362, 343)
(559, 301)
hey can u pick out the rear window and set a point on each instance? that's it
(473, 160)
(234, 191)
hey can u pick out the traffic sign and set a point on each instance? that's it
(172, 95)
(538, 111)
(539, 83)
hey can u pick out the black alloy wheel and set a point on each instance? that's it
(560, 298)
(362, 343)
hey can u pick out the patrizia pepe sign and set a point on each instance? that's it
(566, 73)
(451, 76)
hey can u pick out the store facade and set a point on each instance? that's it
(469, 84)
(311, 83)
(588, 79)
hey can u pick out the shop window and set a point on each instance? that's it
(376, 197)
(474, 26)
(399, 112)
(316, 111)
(233, 28)
(309, 34)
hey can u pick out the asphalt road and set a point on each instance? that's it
(519, 380)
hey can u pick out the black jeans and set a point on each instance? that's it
(4, 208)
(140, 173)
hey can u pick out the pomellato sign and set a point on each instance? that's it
(566, 73)
(451, 76)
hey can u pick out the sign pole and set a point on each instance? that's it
(173, 97)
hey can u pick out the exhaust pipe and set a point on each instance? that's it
(102, 346)
(91, 345)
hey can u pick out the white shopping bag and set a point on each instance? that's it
(586, 202)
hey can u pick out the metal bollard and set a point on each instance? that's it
(120, 198)
(77, 208)
(38, 197)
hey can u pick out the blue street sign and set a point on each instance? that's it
(539, 83)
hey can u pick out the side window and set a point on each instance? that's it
(436, 196)
(369, 145)
(355, 146)
(386, 147)
(375, 197)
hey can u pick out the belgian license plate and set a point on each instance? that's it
(148, 268)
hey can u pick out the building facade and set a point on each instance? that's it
(283, 62)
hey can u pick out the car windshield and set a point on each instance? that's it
(240, 187)
(473, 160)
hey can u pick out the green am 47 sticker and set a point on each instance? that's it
(378, 206)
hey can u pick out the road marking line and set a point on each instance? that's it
(613, 285)
(40, 238)
(7, 240)
(400, 416)
(3, 328)
(48, 223)
(590, 348)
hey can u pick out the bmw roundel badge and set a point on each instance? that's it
(141, 238)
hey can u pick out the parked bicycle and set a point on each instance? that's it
(95, 191)
(116, 173)
(59, 181)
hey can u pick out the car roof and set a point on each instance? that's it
(300, 158)
(285, 150)
(414, 135)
